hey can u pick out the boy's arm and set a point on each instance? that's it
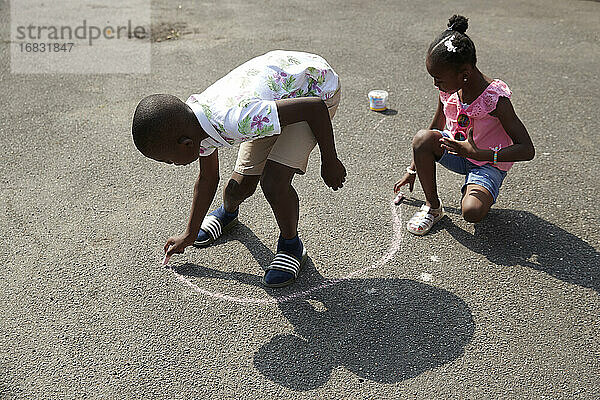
(314, 111)
(204, 193)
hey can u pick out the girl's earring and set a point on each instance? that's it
(465, 79)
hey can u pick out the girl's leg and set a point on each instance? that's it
(476, 203)
(427, 149)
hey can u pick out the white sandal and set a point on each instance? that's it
(424, 219)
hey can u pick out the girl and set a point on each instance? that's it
(475, 131)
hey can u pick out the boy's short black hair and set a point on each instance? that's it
(156, 117)
(463, 48)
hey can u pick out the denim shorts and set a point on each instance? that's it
(484, 175)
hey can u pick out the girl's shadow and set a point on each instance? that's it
(385, 330)
(512, 237)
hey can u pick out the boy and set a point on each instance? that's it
(278, 106)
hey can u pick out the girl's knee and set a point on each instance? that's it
(424, 139)
(476, 203)
(474, 212)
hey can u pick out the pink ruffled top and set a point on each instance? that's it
(488, 132)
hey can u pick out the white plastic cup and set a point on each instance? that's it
(378, 100)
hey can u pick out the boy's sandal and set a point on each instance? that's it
(211, 229)
(286, 262)
(423, 220)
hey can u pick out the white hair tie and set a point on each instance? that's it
(448, 42)
(449, 46)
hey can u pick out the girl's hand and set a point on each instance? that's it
(463, 148)
(407, 179)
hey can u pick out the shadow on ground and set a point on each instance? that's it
(388, 112)
(384, 330)
(512, 237)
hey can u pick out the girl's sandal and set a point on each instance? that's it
(424, 219)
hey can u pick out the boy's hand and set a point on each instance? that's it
(333, 173)
(407, 179)
(177, 244)
(314, 111)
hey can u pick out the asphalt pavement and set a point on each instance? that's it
(508, 308)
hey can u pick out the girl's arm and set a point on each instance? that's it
(522, 148)
(439, 119)
(439, 123)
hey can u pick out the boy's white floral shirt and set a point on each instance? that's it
(241, 105)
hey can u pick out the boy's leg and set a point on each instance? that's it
(276, 183)
(220, 220)
(426, 150)
(238, 189)
(476, 203)
(288, 155)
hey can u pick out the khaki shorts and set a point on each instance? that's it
(290, 148)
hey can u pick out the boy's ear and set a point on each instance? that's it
(186, 141)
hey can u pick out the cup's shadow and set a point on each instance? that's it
(388, 112)
(385, 330)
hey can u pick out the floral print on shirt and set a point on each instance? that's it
(241, 105)
(257, 126)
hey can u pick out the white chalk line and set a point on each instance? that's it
(395, 245)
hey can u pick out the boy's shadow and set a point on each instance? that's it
(512, 237)
(385, 330)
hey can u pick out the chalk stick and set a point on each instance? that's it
(398, 199)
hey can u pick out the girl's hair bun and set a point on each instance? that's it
(458, 23)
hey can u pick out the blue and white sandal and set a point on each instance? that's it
(214, 226)
(284, 269)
